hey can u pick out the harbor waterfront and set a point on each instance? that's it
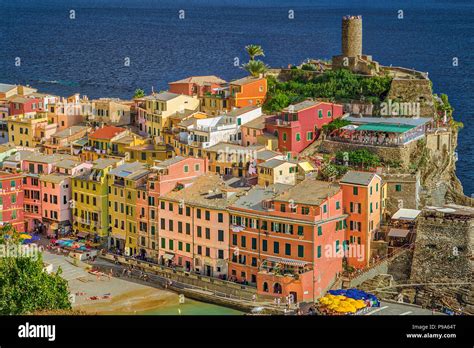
(326, 187)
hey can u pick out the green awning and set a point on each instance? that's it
(382, 127)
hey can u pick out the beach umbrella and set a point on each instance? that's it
(25, 236)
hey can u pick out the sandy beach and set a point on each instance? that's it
(116, 296)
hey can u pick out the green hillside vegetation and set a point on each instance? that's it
(338, 86)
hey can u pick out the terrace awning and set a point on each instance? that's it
(398, 232)
(288, 262)
(168, 256)
(382, 127)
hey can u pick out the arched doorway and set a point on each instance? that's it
(277, 289)
(265, 287)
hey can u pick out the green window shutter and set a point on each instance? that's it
(319, 251)
(320, 230)
(300, 250)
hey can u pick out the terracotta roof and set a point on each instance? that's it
(107, 132)
(201, 80)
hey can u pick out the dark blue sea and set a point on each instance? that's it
(87, 54)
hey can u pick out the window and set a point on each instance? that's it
(220, 235)
(243, 241)
(355, 191)
(371, 190)
(377, 187)
(199, 231)
(329, 114)
(325, 208)
(338, 205)
(180, 245)
(300, 231)
(300, 250)
(208, 233)
(188, 211)
(196, 167)
(170, 206)
(208, 215)
(220, 217)
(320, 113)
(298, 136)
(320, 230)
(199, 250)
(264, 245)
(254, 243)
(180, 227)
(170, 225)
(371, 208)
(319, 251)
(188, 247)
(186, 168)
(309, 136)
(287, 249)
(198, 213)
(284, 136)
(276, 247)
(234, 239)
(163, 241)
(220, 254)
(398, 188)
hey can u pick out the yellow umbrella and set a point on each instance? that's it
(25, 236)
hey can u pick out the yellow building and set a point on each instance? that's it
(277, 171)
(90, 199)
(149, 153)
(111, 111)
(29, 130)
(109, 141)
(124, 182)
(159, 107)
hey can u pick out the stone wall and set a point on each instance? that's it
(387, 154)
(203, 282)
(443, 249)
(407, 197)
(413, 90)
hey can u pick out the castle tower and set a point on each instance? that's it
(352, 57)
(352, 36)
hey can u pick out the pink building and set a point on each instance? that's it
(194, 226)
(11, 200)
(166, 176)
(56, 194)
(252, 130)
(37, 166)
(298, 125)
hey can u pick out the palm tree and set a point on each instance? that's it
(255, 67)
(254, 51)
(139, 93)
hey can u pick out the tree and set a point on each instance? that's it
(254, 51)
(139, 93)
(24, 286)
(255, 67)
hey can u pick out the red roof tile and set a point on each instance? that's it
(107, 132)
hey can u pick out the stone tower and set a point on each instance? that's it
(352, 36)
(352, 57)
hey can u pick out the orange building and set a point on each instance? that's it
(362, 202)
(247, 91)
(196, 85)
(287, 240)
